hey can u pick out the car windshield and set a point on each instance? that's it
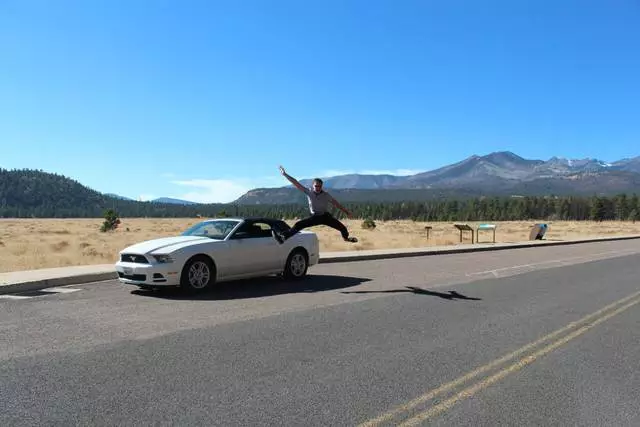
(212, 229)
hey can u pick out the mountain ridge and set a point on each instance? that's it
(499, 173)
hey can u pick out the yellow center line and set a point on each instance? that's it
(470, 391)
(482, 369)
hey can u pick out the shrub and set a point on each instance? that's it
(111, 221)
(368, 224)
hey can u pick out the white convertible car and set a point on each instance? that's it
(218, 250)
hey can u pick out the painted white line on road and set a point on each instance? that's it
(561, 261)
(40, 293)
(61, 290)
(89, 283)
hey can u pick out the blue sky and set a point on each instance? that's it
(204, 99)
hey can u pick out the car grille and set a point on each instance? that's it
(138, 259)
(137, 277)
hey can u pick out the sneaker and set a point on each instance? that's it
(351, 239)
(276, 236)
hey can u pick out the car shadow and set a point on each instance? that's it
(259, 287)
(451, 295)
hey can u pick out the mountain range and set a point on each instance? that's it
(168, 200)
(499, 173)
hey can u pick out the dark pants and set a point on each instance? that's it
(318, 219)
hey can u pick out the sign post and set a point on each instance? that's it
(465, 227)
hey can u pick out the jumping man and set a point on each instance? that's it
(319, 207)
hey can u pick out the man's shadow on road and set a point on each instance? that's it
(259, 287)
(451, 295)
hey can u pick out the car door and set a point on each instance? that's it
(267, 250)
(252, 249)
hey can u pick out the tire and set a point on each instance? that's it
(198, 274)
(297, 265)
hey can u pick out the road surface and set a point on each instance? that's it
(538, 336)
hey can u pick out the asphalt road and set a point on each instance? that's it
(442, 340)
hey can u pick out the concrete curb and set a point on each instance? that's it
(36, 284)
(355, 256)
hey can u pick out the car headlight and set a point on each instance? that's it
(163, 258)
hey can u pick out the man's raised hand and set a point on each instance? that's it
(282, 171)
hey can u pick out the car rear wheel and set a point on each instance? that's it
(198, 274)
(297, 264)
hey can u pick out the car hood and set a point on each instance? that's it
(166, 244)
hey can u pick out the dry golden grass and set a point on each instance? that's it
(41, 243)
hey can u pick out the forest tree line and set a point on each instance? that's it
(620, 207)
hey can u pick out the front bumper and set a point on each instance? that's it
(132, 273)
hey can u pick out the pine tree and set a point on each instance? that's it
(111, 221)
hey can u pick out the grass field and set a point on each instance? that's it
(41, 243)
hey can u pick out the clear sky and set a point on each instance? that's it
(204, 99)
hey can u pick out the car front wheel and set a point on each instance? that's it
(297, 265)
(197, 274)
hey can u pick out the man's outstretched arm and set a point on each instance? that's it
(339, 206)
(292, 180)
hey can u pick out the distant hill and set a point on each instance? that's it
(158, 200)
(47, 194)
(173, 201)
(117, 196)
(34, 193)
(629, 165)
(361, 182)
(289, 195)
(500, 173)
